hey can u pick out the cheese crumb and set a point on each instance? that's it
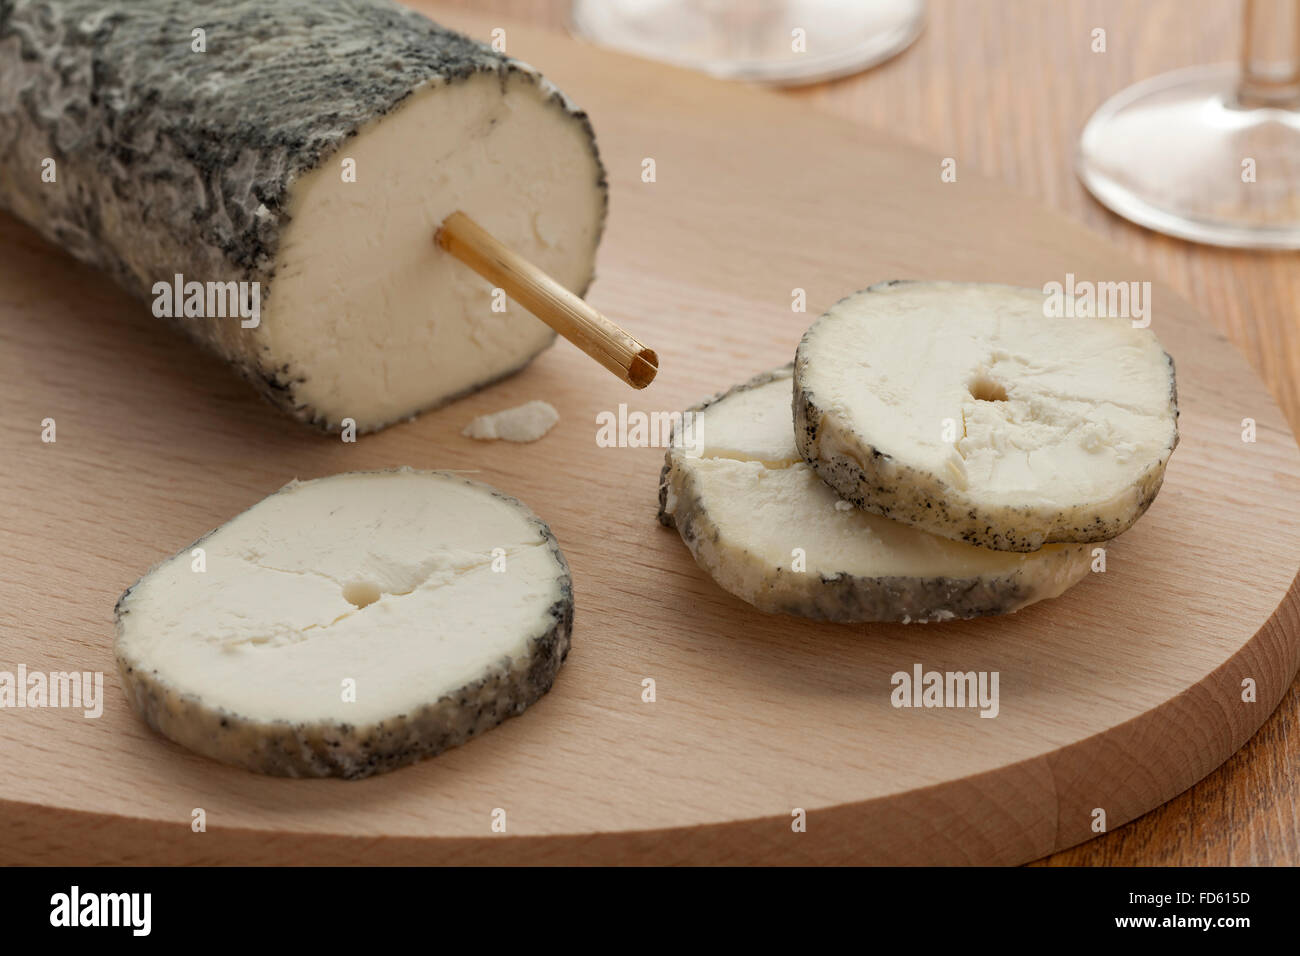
(523, 423)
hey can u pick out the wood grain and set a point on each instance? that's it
(1120, 694)
(1005, 86)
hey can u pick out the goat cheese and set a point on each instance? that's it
(761, 522)
(523, 423)
(313, 149)
(961, 409)
(349, 625)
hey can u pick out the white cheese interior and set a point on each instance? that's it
(767, 501)
(380, 322)
(1039, 412)
(383, 578)
(523, 423)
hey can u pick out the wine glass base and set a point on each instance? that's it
(754, 41)
(1179, 154)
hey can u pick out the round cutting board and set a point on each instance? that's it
(768, 739)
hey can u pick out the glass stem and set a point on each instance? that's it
(1270, 54)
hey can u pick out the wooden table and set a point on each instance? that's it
(1003, 87)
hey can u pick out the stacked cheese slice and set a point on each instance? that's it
(936, 451)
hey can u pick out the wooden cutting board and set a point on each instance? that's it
(1116, 696)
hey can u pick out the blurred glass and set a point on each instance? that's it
(1210, 153)
(784, 42)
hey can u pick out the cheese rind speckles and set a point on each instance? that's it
(963, 410)
(349, 625)
(227, 166)
(747, 501)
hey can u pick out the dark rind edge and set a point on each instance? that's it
(110, 90)
(842, 598)
(328, 749)
(874, 481)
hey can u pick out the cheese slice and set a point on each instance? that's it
(962, 409)
(767, 529)
(349, 625)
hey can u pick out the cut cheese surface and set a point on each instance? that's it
(371, 318)
(965, 410)
(769, 530)
(417, 602)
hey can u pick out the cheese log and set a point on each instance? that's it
(229, 165)
(962, 409)
(743, 501)
(349, 625)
